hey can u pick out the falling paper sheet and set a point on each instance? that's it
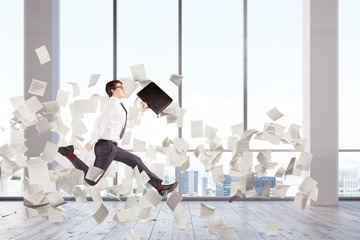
(280, 190)
(101, 214)
(179, 218)
(174, 199)
(217, 174)
(280, 172)
(55, 199)
(43, 55)
(133, 236)
(37, 87)
(300, 200)
(79, 195)
(308, 185)
(126, 138)
(206, 211)
(138, 145)
(51, 107)
(266, 191)
(93, 79)
(272, 227)
(55, 214)
(237, 129)
(153, 197)
(215, 227)
(33, 104)
(227, 233)
(237, 195)
(274, 114)
(94, 173)
(17, 101)
(138, 73)
(76, 89)
(62, 97)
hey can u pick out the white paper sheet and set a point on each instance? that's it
(93, 80)
(33, 104)
(79, 194)
(217, 174)
(126, 138)
(237, 130)
(280, 190)
(174, 199)
(94, 173)
(101, 213)
(176, 79)
(37, 87)
(43, 54)
(272, 227)
(55, 199)
(50, 107)
(206, 211)
(138, 145)
(49, 152)
(215, 226)
(75, 88)
(138, 73)
(266, 192)
(62, 97)
(274, 114)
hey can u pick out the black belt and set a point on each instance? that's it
(104, 140)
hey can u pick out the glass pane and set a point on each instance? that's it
(147, 34)
(150, 40)
(349, 174)
(86, 48)
(274, 63)
(206, 186)
(11, 75)
(212, 88)
(349, 74)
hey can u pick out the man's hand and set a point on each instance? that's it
(143, 106)
(88, 147)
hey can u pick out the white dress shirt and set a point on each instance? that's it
(111, 121)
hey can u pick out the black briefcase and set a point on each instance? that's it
(155, 97)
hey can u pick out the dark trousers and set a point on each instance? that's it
(106, 152)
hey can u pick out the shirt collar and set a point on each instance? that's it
(118, 100)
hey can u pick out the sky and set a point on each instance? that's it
(212, 60)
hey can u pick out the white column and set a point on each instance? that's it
(41, 27)
(320, 94)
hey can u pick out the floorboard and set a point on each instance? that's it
(248, 217)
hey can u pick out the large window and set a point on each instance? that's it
(213, 76)
(85, 48)
(274, 64)
(147, 34)
(349, 98)
(11, 75)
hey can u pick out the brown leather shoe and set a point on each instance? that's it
(167, 189)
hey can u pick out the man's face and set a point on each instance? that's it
(118, 91)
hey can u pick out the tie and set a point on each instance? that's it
(123, 130)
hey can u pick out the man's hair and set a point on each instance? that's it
(111, 85)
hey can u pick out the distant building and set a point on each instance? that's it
(223, 188)
(349, 183)
(189, 182)
(260, 183)
(205, 183)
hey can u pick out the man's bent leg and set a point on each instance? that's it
(133, 161)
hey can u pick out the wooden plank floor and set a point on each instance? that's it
(248, 217)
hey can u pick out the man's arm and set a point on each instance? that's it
(136, 119)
